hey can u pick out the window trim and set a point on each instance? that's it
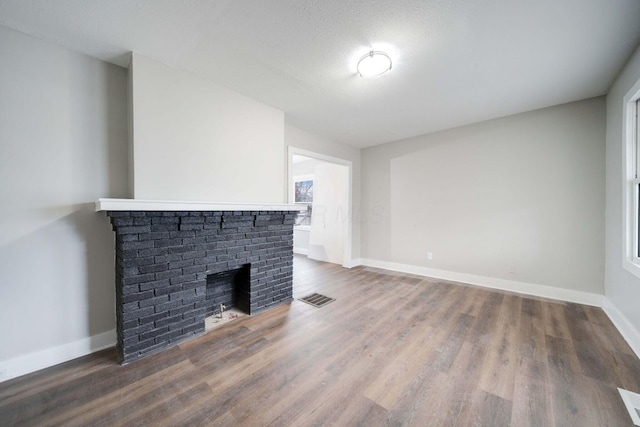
(631, 181)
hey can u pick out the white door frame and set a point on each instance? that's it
(347, 260)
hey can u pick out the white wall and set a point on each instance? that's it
(305, 167)
(195, 140)
(301, 139)
(330, 213)
(63, 134)
(301, 239)
(621, 287)
(518, 199)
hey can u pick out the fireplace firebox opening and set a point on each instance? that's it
(227, 296)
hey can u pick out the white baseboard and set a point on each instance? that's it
(620, 321)
(301, 251)
(544, 291)
(32, 362)
(353, 263)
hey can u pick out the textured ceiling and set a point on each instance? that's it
(455, 61)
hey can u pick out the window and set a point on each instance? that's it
(303, 194)
(631, 191)
(303, 191)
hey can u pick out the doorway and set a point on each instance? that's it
(322, 183)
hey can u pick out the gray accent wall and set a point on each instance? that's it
(519, 198)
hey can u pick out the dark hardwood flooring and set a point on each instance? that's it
(393, 349)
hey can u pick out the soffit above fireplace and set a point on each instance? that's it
(169, 205)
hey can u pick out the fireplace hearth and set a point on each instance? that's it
(173, 268)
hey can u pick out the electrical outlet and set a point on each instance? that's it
(429, 256)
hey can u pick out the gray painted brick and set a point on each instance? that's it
(192, 299)
(134, 229)
(183, 278)
(192, 220)
(168, 336)
(135, 332)
(182, 294)
(154, 301)
(137, 314)
(155, 235)
(193, 269)
(180, 249)
(140, 278)
(136, 262)
(142, 221)
(192, 255)
(180, 264)
(194, 328)
(153, 252)
(137, 296)
(161, 259)
(153, 333)
(169, 274)
(153, 317)
(181, 309)
(187, 227)
(165, 220)
(154, 268)
(163, 243)
(165, 290)
(118, 214)
(168, 320)
(179, 261)
(136, 245)
(165, 307)
(153, 285)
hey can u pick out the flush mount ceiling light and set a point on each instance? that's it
(374, 63)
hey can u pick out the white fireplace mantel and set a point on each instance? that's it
(171, 205)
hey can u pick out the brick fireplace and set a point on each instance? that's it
(170, 263)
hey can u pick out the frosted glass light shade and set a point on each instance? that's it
(373, 64)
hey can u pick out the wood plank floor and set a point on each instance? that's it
(392, 349)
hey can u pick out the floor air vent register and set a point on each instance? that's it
(317, 300)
